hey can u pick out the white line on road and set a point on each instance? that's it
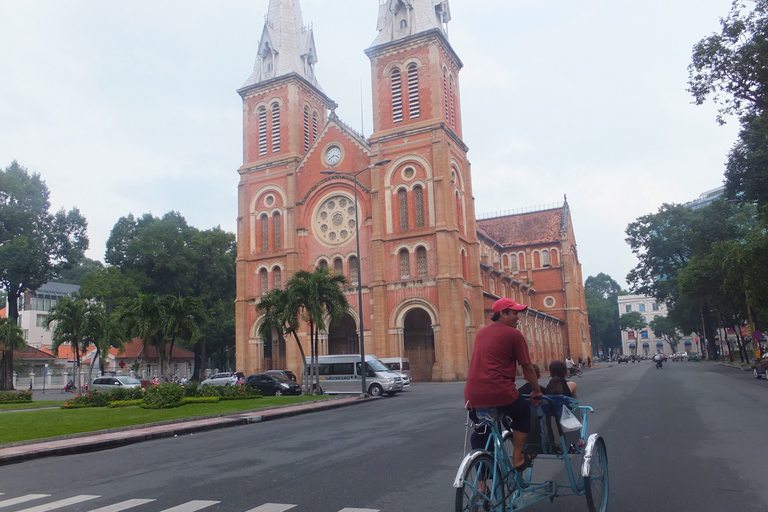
(123, 505)
(272, 507)
(61, 503)
(191, 506)
(22, 499)
(359, 510)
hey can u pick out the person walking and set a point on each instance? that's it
(499, 348)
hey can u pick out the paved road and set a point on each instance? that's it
(686, 437)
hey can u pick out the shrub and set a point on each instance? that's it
(199, 400)
(164, 396)
(191, 388)
(208, 390)
(15, 397)
(239, 392)
(125, 403)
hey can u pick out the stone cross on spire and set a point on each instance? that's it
(403, 18)
(286, 45)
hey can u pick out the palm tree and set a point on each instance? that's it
(318, 293)
(103, 331)
(11, 336)
(282, 318)
(144, 317)
(69, 322)
(184, 316)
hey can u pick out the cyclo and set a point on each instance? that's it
(487, 481)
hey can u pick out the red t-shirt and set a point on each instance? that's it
(498, 350)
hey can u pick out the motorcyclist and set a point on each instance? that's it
(658, 359)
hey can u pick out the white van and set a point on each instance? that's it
(342, 374)
(399, 365)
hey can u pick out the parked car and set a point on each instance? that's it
(276, 385)
(109, 384)
(760, 370)
(693, 356)
(222, 379)
(401, 366)
(622, 359)
(288, 374)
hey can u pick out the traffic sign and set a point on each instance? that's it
(757, 335)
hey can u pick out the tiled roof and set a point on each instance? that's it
(135, 349)
(31, 353)
(525, 228)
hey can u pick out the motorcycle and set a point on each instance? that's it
(659, 363)
(575, 372)
(69, 388)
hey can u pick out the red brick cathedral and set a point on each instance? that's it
(429, 270)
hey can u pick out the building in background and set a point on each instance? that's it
(644, 342)
(34, 308)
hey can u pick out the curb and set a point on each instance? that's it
(105, 439)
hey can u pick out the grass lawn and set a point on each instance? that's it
(26, 425)
(32, 405)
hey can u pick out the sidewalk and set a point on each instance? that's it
(105, 439)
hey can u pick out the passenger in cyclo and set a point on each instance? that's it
(559, 385)
(499, 348)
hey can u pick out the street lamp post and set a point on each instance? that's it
(359, 273)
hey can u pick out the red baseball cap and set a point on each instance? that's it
(502, 304)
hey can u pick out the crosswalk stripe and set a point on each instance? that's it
(272, 507)
(359, 510)
(191, 506)
(21, 499)
(61, 503)
(123, 505)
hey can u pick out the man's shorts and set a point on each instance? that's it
(518, 413)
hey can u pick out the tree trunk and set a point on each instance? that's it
(304, 386)
(6, 364)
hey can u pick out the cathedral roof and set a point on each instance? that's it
(526, 228)
(403, 18)
(286, 45)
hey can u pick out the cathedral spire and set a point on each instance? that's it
(286, 45)
(403, 18)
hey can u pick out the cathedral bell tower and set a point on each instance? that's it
(426, 191)
(284, 109)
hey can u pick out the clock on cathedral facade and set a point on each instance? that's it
(428, 271)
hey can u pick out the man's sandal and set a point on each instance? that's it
(526, 464)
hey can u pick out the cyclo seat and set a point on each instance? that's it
(544, 437)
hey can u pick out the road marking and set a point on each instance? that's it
(359, 510)
(22, 499)
(272, 507)
(123, 505)
(61, 503)
(191, 506)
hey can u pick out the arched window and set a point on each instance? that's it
(418, 196)
(397, 96)
(459, 213)
(402, 195)
(513, 263)
(264, 284)
(536, 260)
(413, 92)
(553, 258)
(421, 258)
(278, 228)
(451, 100)
(493, 286)
(403, 23)
(314, 126)
(322, 264)
(521, 261)
(503, 290)
(445, 93)
(353, 270)
(306, 129)
(262, 131)
(337, 267)
(278, 278)
(264, 232)
(275, 127)
(405, 264)
(545, 261)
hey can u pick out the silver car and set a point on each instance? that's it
(109, 384)
(222, 379)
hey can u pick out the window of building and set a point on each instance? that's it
(275, 127)
(421, 257)
(278, 278)
(545, 261)
(405, 264)
(264, 283)
(445, 93)
(322, 264)
(451, 99)
(306, 128)
(353, 269)
(655, 306)
(314, 126)
(513, 263)
(41, 320)
(403, 198)
(337, 266)
(278, 228)
(413, 92)
(628, 308)
(642, 307)
(264, 233)
(418, 195)
(262, 131)
(397, 96)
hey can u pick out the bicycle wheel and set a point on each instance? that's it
(596, 484)
(483, 489)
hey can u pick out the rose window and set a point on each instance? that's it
(335, 220)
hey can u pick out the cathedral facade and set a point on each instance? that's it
(310, 185)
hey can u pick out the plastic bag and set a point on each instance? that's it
(568, 421)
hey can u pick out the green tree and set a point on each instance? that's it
(77, 273)
(602, 293)
(35, 245)
(281, 318)
(69, 323)
(11, 335)
(109, 286)
(318, 294)
(184, 317)
(663, 327)
(144, 318)
(632, 322)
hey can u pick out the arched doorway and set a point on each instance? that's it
(419, 344)
(342, 337)
(273, 355)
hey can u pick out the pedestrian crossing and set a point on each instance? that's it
(40, 503)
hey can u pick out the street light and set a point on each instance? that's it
(359, 273)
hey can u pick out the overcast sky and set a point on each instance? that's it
(131, 107)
